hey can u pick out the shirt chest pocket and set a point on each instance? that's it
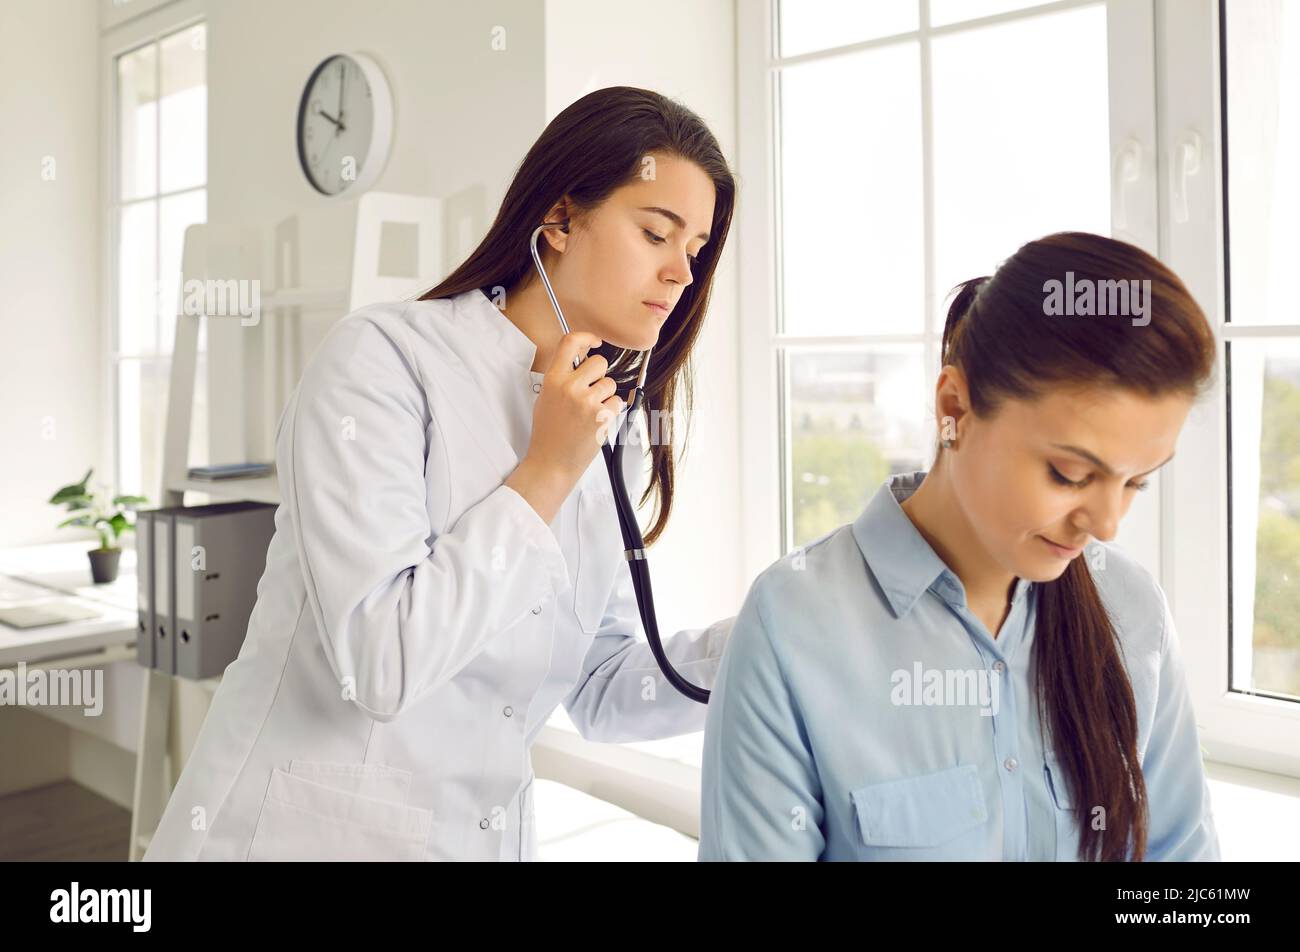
(932, 816)
(600, 556)
(1065, 816)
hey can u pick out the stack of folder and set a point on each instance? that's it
(197, 571)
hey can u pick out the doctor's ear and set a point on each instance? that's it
(558, 238)
(562, 211)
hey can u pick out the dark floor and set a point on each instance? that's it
(62, 821)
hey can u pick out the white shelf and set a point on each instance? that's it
(258, 488)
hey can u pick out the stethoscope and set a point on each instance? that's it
(633, 544)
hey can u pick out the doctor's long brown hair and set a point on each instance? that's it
(999, 334)
(586, 152)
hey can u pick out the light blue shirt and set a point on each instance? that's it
(863, 712)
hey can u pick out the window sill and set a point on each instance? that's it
(1257, 814)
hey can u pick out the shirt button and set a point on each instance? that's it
(1010, 763)
(508, 711)
(483, 824)
(537, 388)
(999, 667)
(537, 610)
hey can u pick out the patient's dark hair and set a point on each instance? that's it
(999, 332)
(595, 145)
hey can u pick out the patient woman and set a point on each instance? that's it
(970, 670)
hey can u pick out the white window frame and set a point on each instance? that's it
(117, 38)
(765, 430)
(1236, 728)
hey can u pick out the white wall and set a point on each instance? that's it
(49, 263)
(685, 49)
(465, 115)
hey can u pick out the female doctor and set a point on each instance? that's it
(447, 565)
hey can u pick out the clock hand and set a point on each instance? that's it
(321, 158)
(343, 78)
(330, 118)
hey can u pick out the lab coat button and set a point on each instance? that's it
(483, 824)
(508, 711)
(1010, 763)
(537, 610)
(999, 667)
(537, 388)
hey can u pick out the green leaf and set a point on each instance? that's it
(68, 492)
(118, 522)
(130, 500)
(85, 519)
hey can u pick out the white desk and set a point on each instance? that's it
(60, 572)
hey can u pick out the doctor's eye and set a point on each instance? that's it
(659, 240)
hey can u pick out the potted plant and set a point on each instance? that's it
(87, 510)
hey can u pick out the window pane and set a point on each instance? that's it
(137, 117)
(952, 11)
(184, 122)
(1262, 112)
(177, 213)
(851, 195)
(141, 402)
(807, 25)
(856, 417)
(137, 288)
(1265, 456)
(1014, 159)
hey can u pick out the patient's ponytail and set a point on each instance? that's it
(965, 295)
(1000, 335)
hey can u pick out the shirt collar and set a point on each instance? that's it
(902, 561)
(502, 333)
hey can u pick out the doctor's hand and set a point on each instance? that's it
(574, 413)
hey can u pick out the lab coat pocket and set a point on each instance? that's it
(600, 556)
(304, 819)
(923, 817)
(370, 780)
(1066, 817)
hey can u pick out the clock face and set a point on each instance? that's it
(336, 125)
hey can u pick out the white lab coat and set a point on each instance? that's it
(417, 621)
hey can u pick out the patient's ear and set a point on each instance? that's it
(951, 401)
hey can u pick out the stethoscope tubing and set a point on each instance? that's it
(633, 543)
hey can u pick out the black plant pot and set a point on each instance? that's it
(103, 564)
